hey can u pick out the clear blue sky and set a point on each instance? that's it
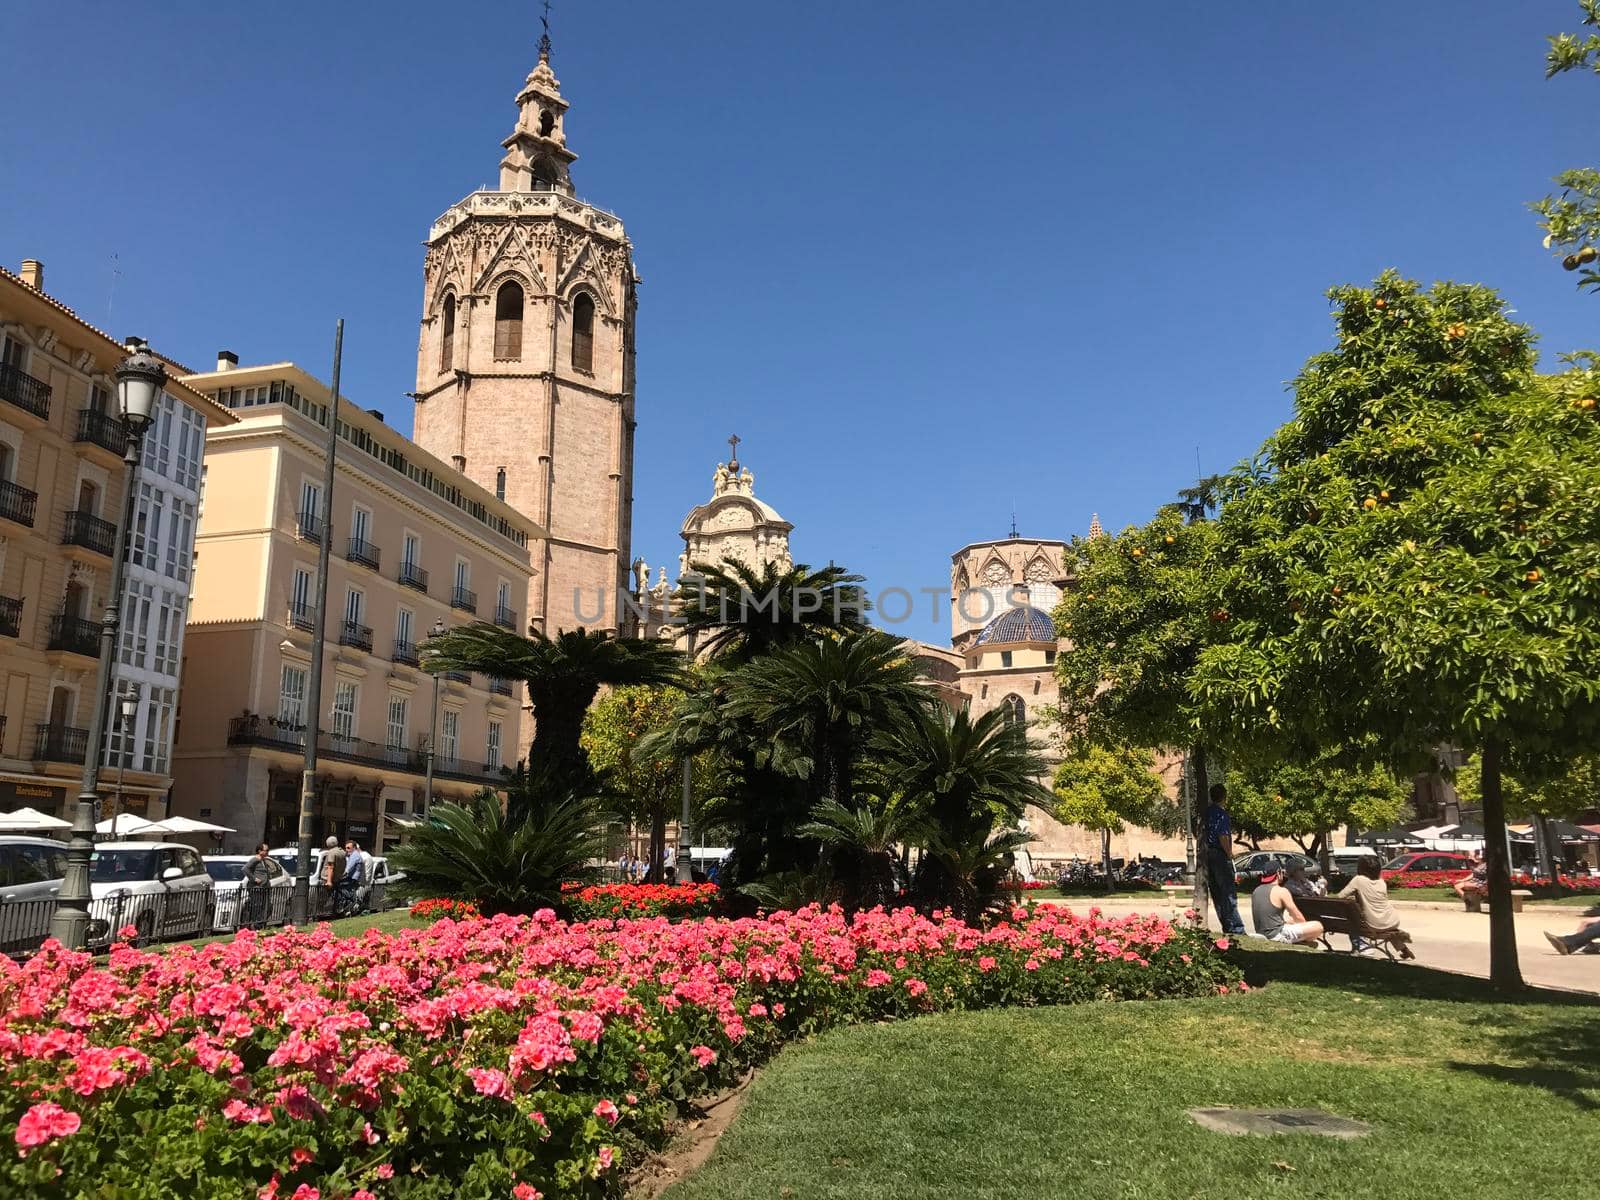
(932, 262)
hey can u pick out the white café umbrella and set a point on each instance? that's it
(129, 824)
(30, 818)
(186, 825)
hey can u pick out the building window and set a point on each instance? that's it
(449, 733)
(402, 628)
(500, 484)
(292, 697)
(1005, 658)
(583, 332)
(344, 710)
(300, 594)
(411, 551)
(1016, 709)
(1049, 657)
(355, 606)
(360, 525)
(398, 706)
(491, 753)
(158, 728)
(508, 321)
(447, 337)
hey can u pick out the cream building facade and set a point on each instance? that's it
(525, 362)
(63, 492)
(413, 543)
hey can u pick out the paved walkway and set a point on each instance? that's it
(1447, 938)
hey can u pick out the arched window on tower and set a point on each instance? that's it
(1016, 709)
(583, 332)
(547, 122)
(508, 321)
(447, 336)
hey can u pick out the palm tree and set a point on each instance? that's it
(1203, 499)
(865, 839)
(736, 610)
(480, 852)
(818, 702)
(969, 871)
(563, 674)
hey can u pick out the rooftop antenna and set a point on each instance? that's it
(544, 38)
(111, 292)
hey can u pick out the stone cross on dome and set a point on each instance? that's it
(733, 452)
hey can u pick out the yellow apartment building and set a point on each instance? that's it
(413, 543)
(63, 492)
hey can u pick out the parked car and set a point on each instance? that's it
(1455, 866)
(381, 880)
(1249, 868)
(31, 869)
(159, 888)
(227, 872)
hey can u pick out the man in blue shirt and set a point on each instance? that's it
(1218, 832)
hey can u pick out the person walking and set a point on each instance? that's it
(332, 873)
(355, 876)
(1218, 831)
(257, 889)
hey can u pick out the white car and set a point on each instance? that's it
(159, 888)
(227, 872)
(31, 869)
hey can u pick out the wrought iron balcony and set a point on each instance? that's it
(302, 616)
(504, 617)
(353, 633)
(464, 598)
(289, 737)
(17, 503)
(309, 527)
(76, 635)
(60, 743)
(27, 393)
(10, 617)
(102, 429)
(405, 652)
(362, 552)
(458, 677)
(413, 576)
(89, 531)
(500, 687)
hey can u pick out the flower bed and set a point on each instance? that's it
(501, 1057)
(1542, 889)
(676, 901)
(433, 910)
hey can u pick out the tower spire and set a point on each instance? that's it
(537, 157)
(544, 38)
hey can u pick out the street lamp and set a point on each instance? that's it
(140, 379)
(127, 713)
(433, 722)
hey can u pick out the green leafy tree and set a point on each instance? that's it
(736, 610)
(1411, 556)
(1571, 221)
(640, 773)
(1563, 790)
(862, 843)
(1106, 788)
(1308, 801)
(563, 674)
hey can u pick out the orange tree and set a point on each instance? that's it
(1571, 220)
(1415, 556)
(1306, 801)
(1105, 787)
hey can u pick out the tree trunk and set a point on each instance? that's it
(1541, 839)
(1503, 969)
(1324, 853)
(658, 847)
(1202, 882)
(1105, 855)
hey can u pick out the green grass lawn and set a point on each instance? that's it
(1401, 894)
(396, 918)
(1471, 1095)
(1449, 896)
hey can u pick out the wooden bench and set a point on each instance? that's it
(1475, 901)
(1344, 916)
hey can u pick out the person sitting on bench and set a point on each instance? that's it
(1586, 939)
(1370, 894)
(1270, 903)
(1478, 882)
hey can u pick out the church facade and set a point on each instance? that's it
(525, 362)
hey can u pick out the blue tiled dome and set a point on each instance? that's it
(1021, 624)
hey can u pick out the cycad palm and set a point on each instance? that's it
(864, 839)
(742, 612)
(563, 674)
(968, 870)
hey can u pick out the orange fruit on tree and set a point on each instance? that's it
(1533, 576)
(1370, 502)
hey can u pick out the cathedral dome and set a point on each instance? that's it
(1021, 624)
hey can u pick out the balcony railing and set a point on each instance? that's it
(457, 677)
(17, 503)
(279, 735)
(76, 635)
(102, 429)
(500, 687)
(362, 552)
(413, 576)
(10, 617)
(302, 616)
(60, 743)
(504, 617)
(464, 598)
(309, 527)
(89, 531)
(405, 652)
(27, 393)
(353, 633)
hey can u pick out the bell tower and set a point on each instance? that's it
(525, 361)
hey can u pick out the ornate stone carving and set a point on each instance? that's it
(996, 572)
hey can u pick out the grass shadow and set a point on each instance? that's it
(1371, 977)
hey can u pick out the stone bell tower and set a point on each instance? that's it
(525, 362)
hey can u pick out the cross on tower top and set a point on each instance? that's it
(733, 451)
(544, 38)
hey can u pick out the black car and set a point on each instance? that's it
(1249, 868)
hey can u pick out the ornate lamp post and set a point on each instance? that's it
(127, 713)
(140, 378)
(433, 724)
